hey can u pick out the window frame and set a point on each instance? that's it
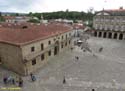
(42, 57)
(49, 53)
(49, 42)
(42, 46)
(33, 61)
(32, 49)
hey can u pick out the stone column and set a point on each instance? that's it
(107, 34)
(102, 34)
(118, 36)
(97, 34)
(112, 35)
(123, 36)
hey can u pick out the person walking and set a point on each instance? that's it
(64, 80)
(5, 80)
(100, 49)
(13, 81)
(93, 89)
(77, 58)
(20, 82)
(33, 78)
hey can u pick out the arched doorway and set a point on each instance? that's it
(56, 48)
(115, 36)
(121, 36)
(95, 34)
(104, 35)
(110, 35)
(100, 34)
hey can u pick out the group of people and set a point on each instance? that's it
(13, 80)
(16, 80)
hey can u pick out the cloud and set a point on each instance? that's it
(20, 5)
(57, 5)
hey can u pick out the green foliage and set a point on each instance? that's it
(0, 14)
(2, 19)
(30, 13)
(34, 21)
(74, 15)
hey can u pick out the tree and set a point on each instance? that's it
(2, 19)
(74, 15)
(17, 14)
(34, 21)
(0, 14)
(30, 13)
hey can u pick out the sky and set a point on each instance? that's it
(25, 6)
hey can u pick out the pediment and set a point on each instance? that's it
(102, 13)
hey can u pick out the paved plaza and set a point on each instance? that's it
(103, 71)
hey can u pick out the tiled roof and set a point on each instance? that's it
(19, 36)
(114, 12)
(8, 17)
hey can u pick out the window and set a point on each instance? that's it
(69, 34)
(32, 49)
(66, 44)
(66, 36)
(42, 57)
(33, 61)
(54, 39)
(62, 37)
(62, 45)
(69, 41)
(0, 60)
(42, 46)
(49, 42)
(49, 53)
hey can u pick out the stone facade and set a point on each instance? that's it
(57, 44)
(112, 21)
(11, 57)
(27, 54)
(30, 57)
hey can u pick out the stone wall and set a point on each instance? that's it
(30, 56)
(109, 34)
(11, 58)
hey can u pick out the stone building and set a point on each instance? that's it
(78, 29)
(110, 24)
(24, 49)
(16, 19)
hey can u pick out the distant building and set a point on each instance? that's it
(110, 24)
(63, 21)
(16, 19)
(78, 29)
(27, 47)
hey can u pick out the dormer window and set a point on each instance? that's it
(24, 27)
